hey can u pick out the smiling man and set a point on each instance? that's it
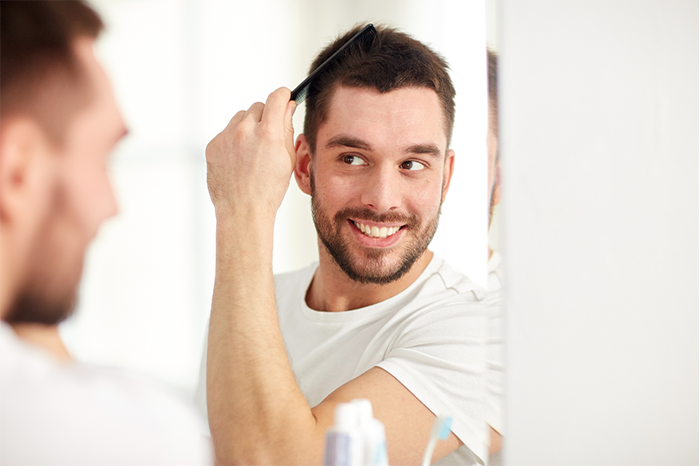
(380, 316)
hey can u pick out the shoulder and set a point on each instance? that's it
(444, 302)
(290, 284)
(76, 414)
(443, 285)
(296, 276)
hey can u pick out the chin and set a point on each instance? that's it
(376, 268)
(47, 299)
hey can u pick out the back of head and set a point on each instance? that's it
(394, 60)
(40, 77)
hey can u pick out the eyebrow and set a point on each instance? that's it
(429, 149)
(348, 141)
(343, 140)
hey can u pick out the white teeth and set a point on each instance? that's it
(376, 232)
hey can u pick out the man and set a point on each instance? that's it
(59, 123)
(380, 317)
(494, 174)
(494, 349)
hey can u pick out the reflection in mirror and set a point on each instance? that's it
(180, 72)
(495, 267)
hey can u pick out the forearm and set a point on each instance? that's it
(257, 414)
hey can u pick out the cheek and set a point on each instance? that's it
(87, 192)
(337, 190)
(427, 199)
(424, 205)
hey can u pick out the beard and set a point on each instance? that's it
(35, 305)
(371, 265)
(49, 293)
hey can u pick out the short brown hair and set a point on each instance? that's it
(40, 76)
(493, 89)
(394, 60)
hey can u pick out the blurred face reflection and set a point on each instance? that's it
(80, 199)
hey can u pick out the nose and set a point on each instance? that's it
(382, 190)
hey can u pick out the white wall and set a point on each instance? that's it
(181, 69)
(599, 138)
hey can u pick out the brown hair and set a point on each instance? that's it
(40, 76)
(493, 90)
(393, 60)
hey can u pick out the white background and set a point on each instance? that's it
(181, 69)
(599, 139)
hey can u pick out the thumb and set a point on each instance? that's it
(289, 129)
(288, 122)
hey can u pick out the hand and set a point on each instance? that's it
(250, 162)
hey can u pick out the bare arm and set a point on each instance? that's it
(257, 414)
(252, 397)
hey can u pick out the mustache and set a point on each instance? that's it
(359, 213)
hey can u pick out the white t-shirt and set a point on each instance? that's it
(431, 337)
(60, 413)
(495, 303)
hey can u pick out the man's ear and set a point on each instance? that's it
(302, 169)
(447, 175)
(23, 152)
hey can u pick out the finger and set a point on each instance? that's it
(288, 116)
(255, 111)
(236, 118)
(289, 129)
(276, 105)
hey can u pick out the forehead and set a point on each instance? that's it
(99, 82)
(100, 122)
(405, 116)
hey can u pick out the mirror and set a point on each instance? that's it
(180, 70)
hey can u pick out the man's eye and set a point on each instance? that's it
(412, 165)
(353, 160)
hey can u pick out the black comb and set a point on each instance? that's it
(363, 38)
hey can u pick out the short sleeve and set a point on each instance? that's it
(440, 356)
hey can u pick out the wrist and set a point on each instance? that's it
(245, 235)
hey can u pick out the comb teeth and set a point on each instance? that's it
(300, 95)
(364, 39)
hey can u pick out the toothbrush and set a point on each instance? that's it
(440, 431)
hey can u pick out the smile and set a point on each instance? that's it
(375, 231)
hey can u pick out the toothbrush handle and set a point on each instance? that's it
(429, 451)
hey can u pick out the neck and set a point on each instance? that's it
(332, 290)
(46, 337)
(10, 270)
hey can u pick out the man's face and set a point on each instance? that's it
(378, 178)
(80, 199)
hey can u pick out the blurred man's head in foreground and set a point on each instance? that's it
(59, 123)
